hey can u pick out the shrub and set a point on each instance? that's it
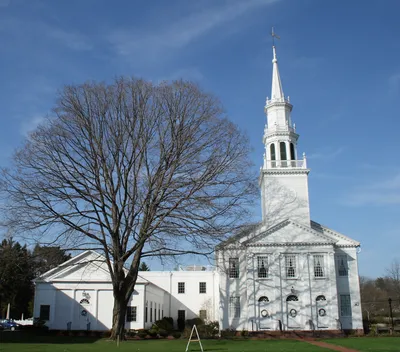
(195, 321)
(142, 334)
(169, 319)
(177, 334)
(186, 332)
(106, 334)
(153, 333)
(244, 333)
(164, 324)
(131, 333)
(209, 330)
(228, 333)
(163, 333)
(181, 324)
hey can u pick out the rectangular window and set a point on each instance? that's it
(202, 287)
(345, 306)
(155, 312)
(181, 315)
(131, 314)
(151, 312)
(342, 265)
(181, 287)
(290, 265)
(203, 314)
(262, 267)
(146, 312)
(233, 268)
(159, 311)
(319, 269)
(44, 312)
(234, 307)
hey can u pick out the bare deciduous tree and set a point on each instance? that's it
(134, 169)
(393, 275)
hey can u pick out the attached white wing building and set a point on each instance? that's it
(287, 272)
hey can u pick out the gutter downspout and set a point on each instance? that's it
(309, 285)
(170, 293)
(144, 305)
(213, 290)
(254, 296)
(280, 282)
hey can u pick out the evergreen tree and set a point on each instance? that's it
(144, 267)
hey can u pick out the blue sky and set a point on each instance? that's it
(339, 63)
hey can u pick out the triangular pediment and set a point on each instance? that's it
(340, 239)
(287, 232)
(87, 266)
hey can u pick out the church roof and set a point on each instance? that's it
(288, 233)
(87, 266)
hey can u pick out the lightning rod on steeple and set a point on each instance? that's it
(273, 35)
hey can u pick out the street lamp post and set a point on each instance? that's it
(391, 313)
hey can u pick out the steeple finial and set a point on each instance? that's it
(276, 91)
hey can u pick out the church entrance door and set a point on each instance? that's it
(85, 309)
(294, 319)
(264, 314)
(322, 312)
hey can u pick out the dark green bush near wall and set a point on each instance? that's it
(177, 334)
(228, 334)
(181, 324)
(164, 324)
(163, 333)
(194, 321)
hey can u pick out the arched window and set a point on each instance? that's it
(84, 301)
(292, 298)
(292, 155)
(282, 147)
(272, 150)
(320, 298)
(263, 299)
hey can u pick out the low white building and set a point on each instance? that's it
(287, 272)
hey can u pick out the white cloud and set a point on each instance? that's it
(191, 73)
(326, 154)
(24, 31)
(382, 192)
(72, 40)
(181, 33)
(29, 125)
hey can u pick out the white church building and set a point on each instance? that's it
(285, 273)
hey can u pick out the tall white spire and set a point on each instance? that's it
(276, 91)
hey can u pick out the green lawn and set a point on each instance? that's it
(69, 344)
(20, 342)
(369, 344)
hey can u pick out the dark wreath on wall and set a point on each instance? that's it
(322, 312)
(293, 313)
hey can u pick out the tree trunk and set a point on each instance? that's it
(119, 313)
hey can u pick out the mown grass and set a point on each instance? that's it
(369, 344)
(77, 344)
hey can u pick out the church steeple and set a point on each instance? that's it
(276, 91)
(283, 179)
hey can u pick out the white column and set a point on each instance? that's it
(287, 144)
(278, 153)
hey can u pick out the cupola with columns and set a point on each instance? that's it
(284, 176)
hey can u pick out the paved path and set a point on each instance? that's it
(329, 345)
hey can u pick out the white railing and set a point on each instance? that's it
(278, 128)
(285, 164)
(276, 100)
